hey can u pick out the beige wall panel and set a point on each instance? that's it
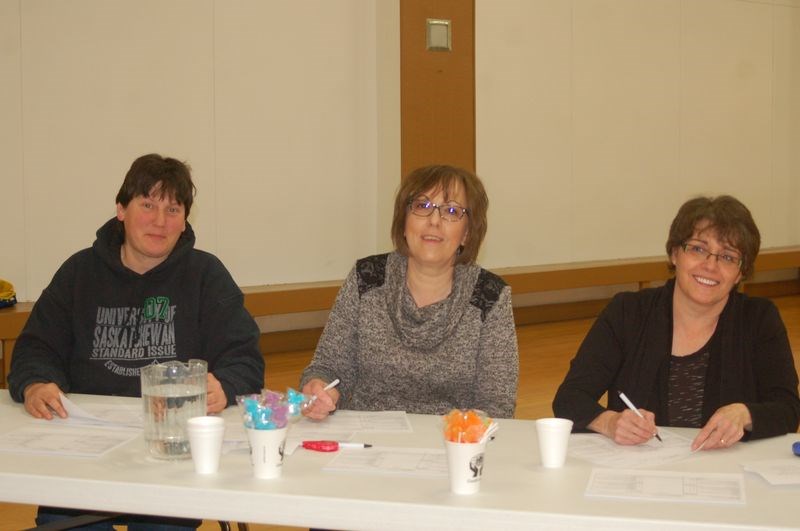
(782, 227)
(298, 200)
(625, 126)
(13, 250)
(596, 119)
(105, 82)
(523, 135)
(290, 126)
(726, 104)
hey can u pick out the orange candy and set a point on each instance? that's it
(465, 426)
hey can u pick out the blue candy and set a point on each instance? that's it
(267, 411)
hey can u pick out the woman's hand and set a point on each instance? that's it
(325, 401)
(725, 427)
(44, 399)
(215, 395)
(625, 427)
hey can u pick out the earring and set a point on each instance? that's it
(459, 250)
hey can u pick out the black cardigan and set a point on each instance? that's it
(629, 346)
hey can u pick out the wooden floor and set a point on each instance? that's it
(545, 352)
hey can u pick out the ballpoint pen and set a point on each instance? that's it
(704, 441)
(701, 445)
(326, 388)
(635, 410)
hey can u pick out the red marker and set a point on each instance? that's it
(332, 446)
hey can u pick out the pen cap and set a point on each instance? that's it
(321, 446)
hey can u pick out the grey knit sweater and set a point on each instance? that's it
(460, 352)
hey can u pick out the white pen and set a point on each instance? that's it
(326, 388)
(704, 442)
(701, 446)
(352, 445)
(635, 410)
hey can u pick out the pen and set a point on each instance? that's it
(326, 388)
(635, 410)
(704, 442)
(352, 445)
(701, 446)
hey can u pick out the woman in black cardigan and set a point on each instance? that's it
(694, 352)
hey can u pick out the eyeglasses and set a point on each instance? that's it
(422, 206)
(701, 253)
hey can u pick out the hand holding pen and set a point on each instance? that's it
(638, 413)
(323, 398)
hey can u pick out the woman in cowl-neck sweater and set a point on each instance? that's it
(422, 329)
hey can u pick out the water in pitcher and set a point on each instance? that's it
(172, 393)
(167, 407)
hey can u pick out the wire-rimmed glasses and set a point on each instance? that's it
(727, 259)
(424, 207)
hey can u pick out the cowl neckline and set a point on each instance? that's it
(426, 328)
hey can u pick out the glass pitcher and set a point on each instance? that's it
(172, 393)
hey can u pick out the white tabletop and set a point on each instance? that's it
(516, 492)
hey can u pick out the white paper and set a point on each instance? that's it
(101, 414)
(352, 422)
(777, 471)
(47, 438)
(657, 485)
(345, 425)
(235, 438)
(341, 426)
(602, 451)
(417, 462)
(295, 439)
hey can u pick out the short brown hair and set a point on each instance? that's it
(728, 217)
(173, 177)
(445, 178)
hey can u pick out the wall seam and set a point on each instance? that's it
(573, 194)
(25, 224)
(214, 163)
(773, 48)
(681, 88)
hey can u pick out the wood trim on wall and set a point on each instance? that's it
(437, 89)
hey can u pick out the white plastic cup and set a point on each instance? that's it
(553, 435)
(266, 452)
(465, 466)
(205, 441)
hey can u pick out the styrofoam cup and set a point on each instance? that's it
(205, 441)
(553, 435)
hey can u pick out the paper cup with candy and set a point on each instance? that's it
(266, 417)
(271, 409)
(266, 451)
(466, 433)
